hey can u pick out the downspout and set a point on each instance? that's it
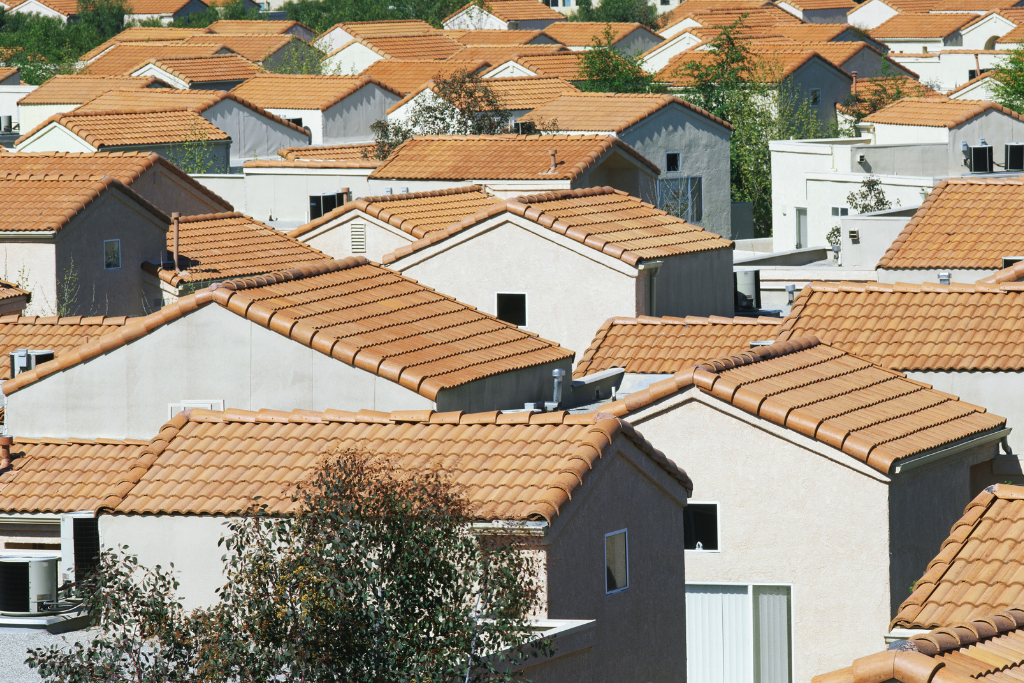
(175, 220)
(652, 267)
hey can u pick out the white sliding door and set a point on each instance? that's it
(771, 634)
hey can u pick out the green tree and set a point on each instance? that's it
(602, 68)
(881, 91)
(627, 11)
(462, 104)
(375, 577)
(234, 10)
(870, 197)
(320, 15)
(195, 154)
(1008, 80)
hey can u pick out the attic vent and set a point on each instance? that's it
(23, 360)
(358, 238)
(1015, 156)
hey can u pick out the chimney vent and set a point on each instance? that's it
(853, 88)
(554, 160)
(175, 220)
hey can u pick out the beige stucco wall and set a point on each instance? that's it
(55, 138)
(571, 289)
(31, 263)
(335, 238)
(189, 542)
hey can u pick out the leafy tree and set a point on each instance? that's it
(602, 68)
(373, 578)
(881, 91)
(462, 104)
(628, 11)
(234, 10)
(1008, 80)
(870, 197)
(320, 15)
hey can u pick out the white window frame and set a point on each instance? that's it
(750, 607)
(837, 211)
(625, 532)
(119, 259)
(526, 303)
(718, 527)
(810, 99)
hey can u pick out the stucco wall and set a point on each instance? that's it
(976, 36)
(229, 186)
(640, 632)
(623, 173)
(691, 284)
(283, 193)
(313, 119)
(351, 61)
(1000, 392)
(31, 115)
(788, 515)
(914, 159)
(349, 120)
(507, 391)
(868, 64)
(31, 262)
(704, 151)
(931, 275)
(252, 135)
(568, 294)
(997, 129)
(169, 193)
(189, 542)
(335, 239)
(9, 96)
(876, 236)
(834, 86)
(209, 354)
(55, 138)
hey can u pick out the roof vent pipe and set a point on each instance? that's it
(853, 88)
(5, 451)
(558, 374)
(345, 196)
(175, 220)
(554, 159)
(944, 277)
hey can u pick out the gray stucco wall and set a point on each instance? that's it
(641, 630)
(868, 64)
(509, 390)
(704, 151)
(169, 193)
(350, 119)
(80, 259)
(997, 129)
(218, 153)
(999, 392)
(835, 87)
(691, 284)
(623, 173)
(283, 193)
(252, 135)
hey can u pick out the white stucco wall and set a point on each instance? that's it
(349, 120)
(335, 238)
(508, 70)
(474, 18)
(976, 36)
(659, 57)
(1001, 393)
(33, 7)
(313, 119)
(31, 115)
(875, 236)
(9, 96)
(871, 14)
(931, 275)
(55, 138)
(283, 193)
(230, 186)
(32, 262)
(351, 60)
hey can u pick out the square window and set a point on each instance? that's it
(840, 211)
(672, 162)
(700, 526)
(111, 254)
(616, 561)
(815, 97)
(512, 308)
(297, 122)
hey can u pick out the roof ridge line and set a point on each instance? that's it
(297, 273)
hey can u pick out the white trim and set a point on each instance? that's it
(718, 527)
(626, 587)
(526, 308)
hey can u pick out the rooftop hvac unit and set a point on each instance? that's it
(981, 159)
(26, 583)
(23, 360)
(1015, 156)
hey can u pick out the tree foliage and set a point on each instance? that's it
(602, 68)
(320, 15)
(375, 577)
(748, 91)
(460, 103)
(627, 11)
(1008, 80)
(870, 197)
(881, 91)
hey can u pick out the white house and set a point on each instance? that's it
(55, 9)
(503, 15)
(819, 11)
(354, 56)
(978, 88)
(625, 37)
(688, 145)
(283, 356)
(922, 32)
(949, 69)
(873, 13)
(335, 109)
(984, 31)
(12, 90)
(345, 32)
(557, 263)
(213, 72)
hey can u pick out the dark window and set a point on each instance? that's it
(616, 562)
(512, 309)
(87, 546)
(700, 526)
(815, 97)
(973, 73)
(682, 197)
(112, 254)
(297, 122)
(323, 204)
(672, 162)
(840, 211)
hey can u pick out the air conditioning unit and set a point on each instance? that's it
(1015, 156)
(981, 159)
(26, 583)
(747, 285)
(23, 360)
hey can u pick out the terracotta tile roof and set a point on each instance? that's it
(776, 62)
(972, 5)
(157, 6)
(875, 415)
(124, 58)
(752, 20)
(50, 204)
(231, 67)
(311, 163)
(562, 64)
(496, 37)
(515, 93)
(516, 10)
(421, 46)
(869, 87)
(583, 33)
(660, 346)
(921, 26)
(1012, 38)
(499, 54)
(979, 569)
(602, 218)
(133, 127)
(911, 6)
(406, 75)
(135, 34)
(976, 79)
(74, 89)
(125, 167)
(957, 327)
(934, 112)
(383, 29)
(251, 28)
(10, 291)
(257, 48)
(807, 33)
(964, 223)
(331, 152)
(361, 314)
(695, 7)
(500, 157)
(7, 72)
(988, 648)
(57, 475)
(601, 112)
(513, 466)
(418, 213)
(1014, 273)
(59, 335)
(291, 91)
(219, 246)
(821, 4)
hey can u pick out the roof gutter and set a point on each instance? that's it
(935, 456)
